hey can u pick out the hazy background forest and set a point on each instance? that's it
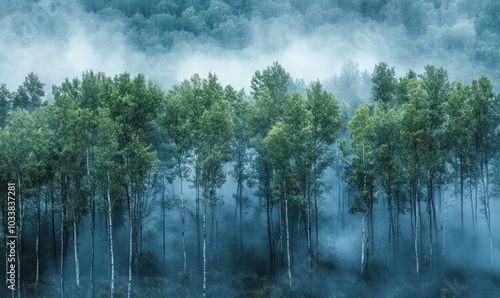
(165, 148)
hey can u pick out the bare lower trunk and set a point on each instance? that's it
(204, 247)
(363, 232)
(288, 246)
(110, 226)
(75, 248)
(183, 216)
(62, 250)
(130, 250)
(92, 228)
(444, 226)
(417, 213)
(37, 246)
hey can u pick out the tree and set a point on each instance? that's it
(29, 95)
(360, 172)
(280, 147)
(486, 121)
(384, 84)
(269, 89)
(388, 165)
(215, 135)
(109, 176)
(240, 115)
(16, 145)
(325, 122)
(133, 105)
(460, 137)
(415, 137)
(177, 125)
(5, 103)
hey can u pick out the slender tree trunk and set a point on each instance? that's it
(52, 207)
(308, 234)
(204, 246)
(217, 238)
(417, 213)
(461, 198)
(110, 227)
(62, 240)
(240, 195)
(269, 227)
(288, 243)
(130, 241)
(363, 224)
(92, 229)
(472, 208)
(163, 213)
(316, 224)
(183, 216)
(198, 235)
(389, 206)
(212, 229)
(92, 241)
(37, 244)
(444, 226)
(75, 248)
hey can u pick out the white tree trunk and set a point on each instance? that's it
(110, 223)
(91, 201)
(37, 244)
(183, 216)
(363, 223)
(75, 246)
(288, 246)
(62, 249)
(204, 246)
(444, 225)
(417, 213)
(131, 230)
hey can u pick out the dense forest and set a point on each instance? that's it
(128, 179)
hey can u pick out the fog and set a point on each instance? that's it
(58, 39)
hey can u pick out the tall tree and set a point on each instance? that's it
(177, 125)
(361, 175)
(269, 89)
(215, 134)
(29, 95)
(486, 121)
(5, 103)
(325, 122)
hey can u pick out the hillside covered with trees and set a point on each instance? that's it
(367, 183)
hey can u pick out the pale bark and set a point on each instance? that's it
(37, 245)
(110, 226)
(288, 245)
(204, 247)
(363, 223)
(444, 226)
(62, 248)
(92, 223)
(417, 213)
(183, 215)
(75, 248)
(130, 250)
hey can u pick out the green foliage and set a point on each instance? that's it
(360, 173)
(29, 95)
(5, 103)
(384, 84)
